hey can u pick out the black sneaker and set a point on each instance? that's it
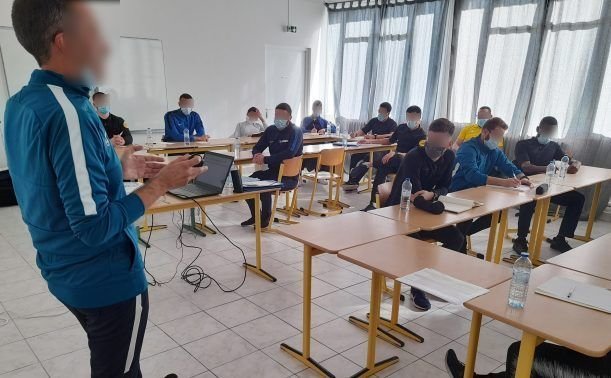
(369, 207)
(559, 244)
(171, 376)
(454, 367)
(420, 300)
(350, 186)
(520, 245)
(248, 222)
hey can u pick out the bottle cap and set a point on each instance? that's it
(524, 254)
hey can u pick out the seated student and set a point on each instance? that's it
(285, 141)
(429, 168)
(254, 124)
(377, 128)
(550, 361)
(182, 119)
(476, 159)
(115, 127)
(315, 123)
(473, 130)
(407, 136)
(532, 156)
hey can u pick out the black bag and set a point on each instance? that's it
(7, 193)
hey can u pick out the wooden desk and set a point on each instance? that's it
(371, 149)
(543, 318)
(593, 258)
(330, 235)
(495, 202)
(398, 256)
(586, 176)
(169, 203)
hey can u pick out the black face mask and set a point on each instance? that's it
(434, 152)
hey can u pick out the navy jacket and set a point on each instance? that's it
(69, 185)
(284, 144)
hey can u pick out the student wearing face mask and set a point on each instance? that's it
(315, 123)
(532, 156)
(429, 168)
(476, 161)
(473, 130)
(184, 118)
(116, 127)
(254, 124)
(378, 128)
(284, 141)
(407, 136)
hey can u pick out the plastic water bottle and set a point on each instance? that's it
(344, 135)
(564, 166)
(332, 128)
(236, 148)
(149, 137)
(186, 137)
(518, 290)
(406, 193)
(550, 172)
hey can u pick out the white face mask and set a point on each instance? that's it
(186, 111)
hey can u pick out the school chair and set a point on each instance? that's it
(333, 159)
(288, 168)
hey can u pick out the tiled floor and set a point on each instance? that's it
(210, 333)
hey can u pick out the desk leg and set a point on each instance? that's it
(592, 216)
(257, 269)
(501, 237)
(392, 324)
(527, 354)
(494, 223)
(373, 367)
(369, 174)
(476, 324)
(536, 249)
(304, 355)
(199, 229)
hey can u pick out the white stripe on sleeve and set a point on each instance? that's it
(78, 153)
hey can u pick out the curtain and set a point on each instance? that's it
(386, 53)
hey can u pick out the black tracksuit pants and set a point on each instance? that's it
(115, 335)
(288, 183)
(574, 204)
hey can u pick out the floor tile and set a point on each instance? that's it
(75, 364)
(276, 299)
(318, 352)
(445, 323)
(254, 365)
(170, 309)
(15, 355)
(339, 335)
(220, 348)
(192, 327)
(156, 341)
(341, 278)
(8, 332)
(319, 288)
(56, 343)
(237, 312)
(384, 350)
(483, 364)
(491, 343)
(340, 303)
(31, 371)
(45, 321)
(432, 340)
(294, 316)
(176, 361)
(265, 331)
(419, 369)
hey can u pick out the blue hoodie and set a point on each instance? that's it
(176, 122)
(69, 185)
(475, 162)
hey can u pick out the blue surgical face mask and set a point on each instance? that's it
(481, 122)
(103, 110)
(544, 139)
(186, 111)
(381, 117)
(491, 144)
(281, 124)
(413, 125)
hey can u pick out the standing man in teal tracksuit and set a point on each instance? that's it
(69, 184)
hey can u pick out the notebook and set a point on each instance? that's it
(579, 293)
(521, 188)
(443, 286)
(458, 205)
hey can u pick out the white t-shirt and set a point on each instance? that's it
(248, 128)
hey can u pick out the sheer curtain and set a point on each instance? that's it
(386, 53)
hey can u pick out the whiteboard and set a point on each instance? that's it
(137, 89)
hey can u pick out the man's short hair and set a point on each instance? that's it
(185, 96)
(485, 108)
(495, 122)
(386, 106)
(317, 103)
(442, 125)
(285, 106)
(252, 109)
(414, 109)
(36, 23)
(97, 94)
(548, 121)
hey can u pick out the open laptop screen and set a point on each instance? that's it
(218, 170)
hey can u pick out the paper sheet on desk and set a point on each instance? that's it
(581, 294)
(521, 188)
(131, 186)
(443, 286)
(260, 183)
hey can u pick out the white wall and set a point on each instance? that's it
(215, 49)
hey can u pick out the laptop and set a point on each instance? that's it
(211, 182)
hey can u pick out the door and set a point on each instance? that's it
(286, 80)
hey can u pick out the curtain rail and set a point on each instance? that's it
(364, 4)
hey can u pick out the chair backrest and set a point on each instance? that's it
(384, 192)
(332, 157)
(292, 167)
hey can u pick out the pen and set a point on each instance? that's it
(570, 294)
